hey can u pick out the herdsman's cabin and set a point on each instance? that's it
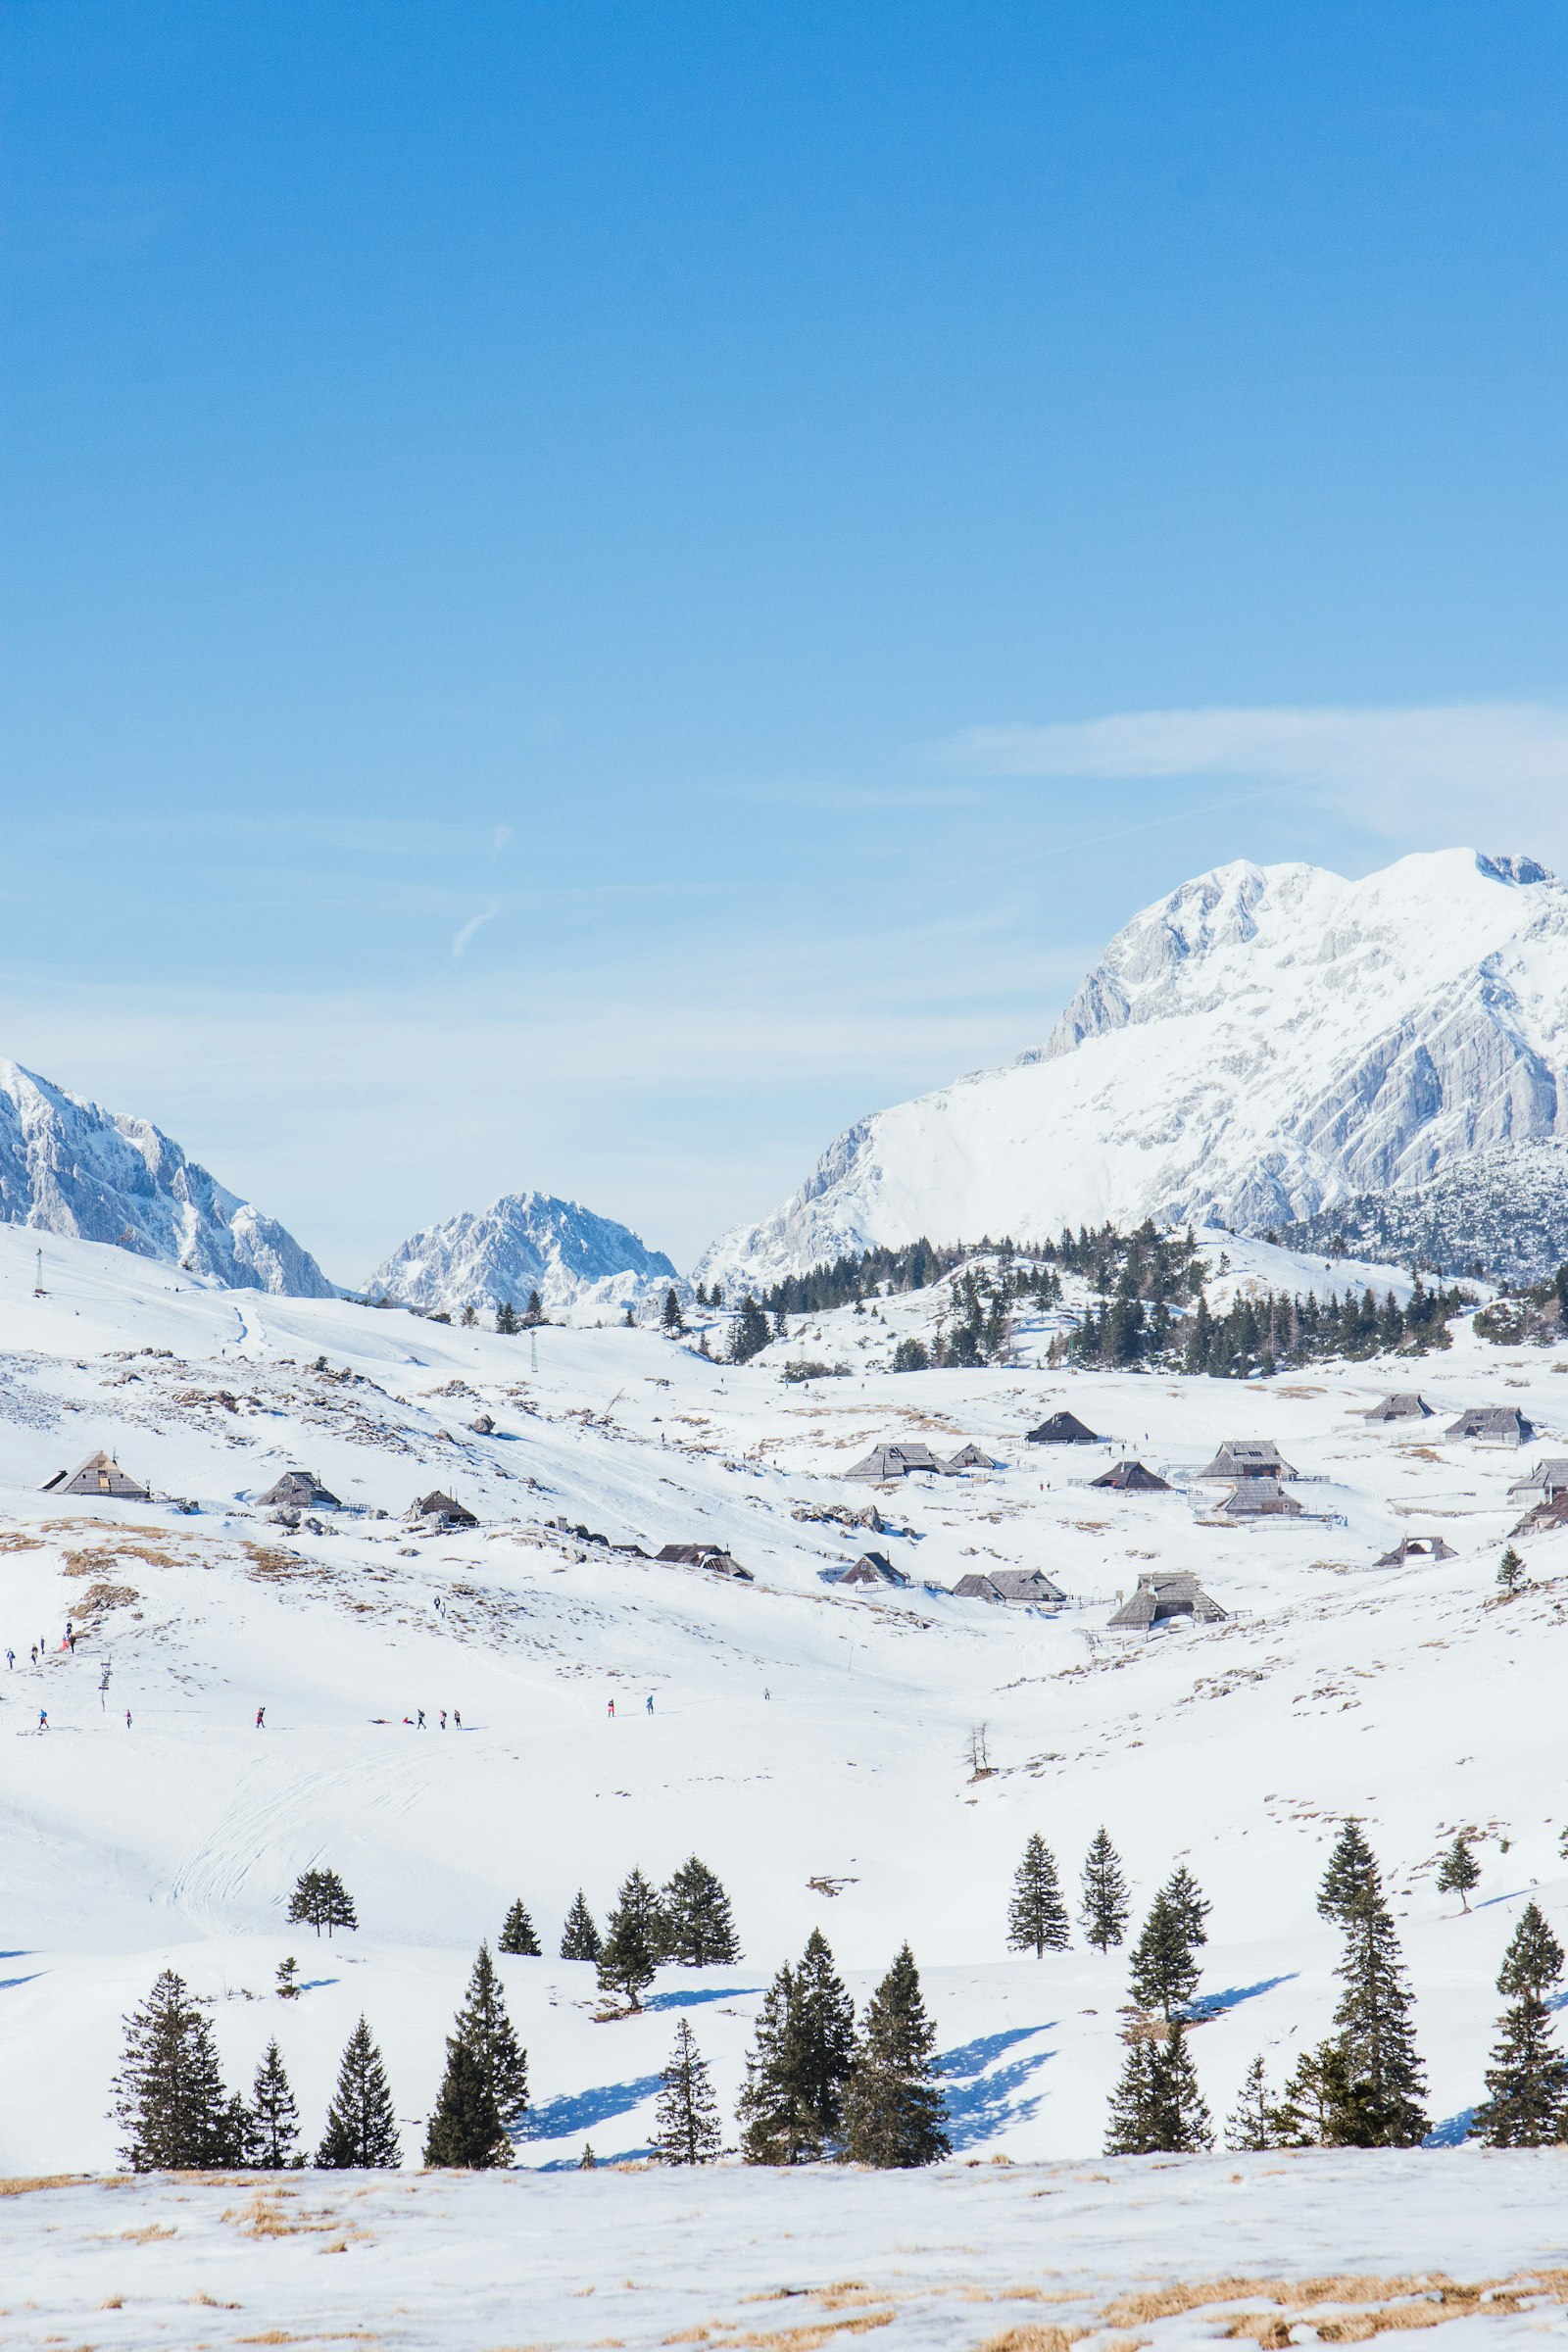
(1063, 1429)
(442, 1509)
(1131, 1478)
(1417, 1547)
(1547, 1481)
(298, 1491)
(1258, 1499)
(970, 1458)
(1019, 1587)
(1167, 1601)
(885, 1463)
(1249, 1457)
(1404, 1405)
(99, 1474)
(872, 1568)
(711, 1556)
(1491, 1425)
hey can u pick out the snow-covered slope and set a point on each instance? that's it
(1266, 1042)
(69, 1167)
(584, 1268)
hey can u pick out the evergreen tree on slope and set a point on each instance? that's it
(1460, 1871)
(518, 1937)
(168, 2096)
(483, 2026)
(579, 1939)
(273, 2116)
(1157, 2108)
(465, 2128)
(770, 2110)
(1104, 1910)
(893, 2108)
(1373, 2018)
(686, 2121)
(1251, 2127)
(824, 2046)
(1528, 2077)
(361, 2127)
(1037, 1919)
(629, 1960)
(697, 1925)
(1163, 1973)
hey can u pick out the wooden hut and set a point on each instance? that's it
(1544, 1516)
(442, 1509)
(1019, 1588)
(1404, 1405)
(872, 1568)
(298, 1491)
(711, 1556)
(1491, 1425)
(1547, 1481)
(1131, 1478)
(1249, 1457)
(970, 1458)
(1063, 1429)
(886, 1463)
(1258, 1499)
(99, 1474)
(1417, 1547)
(1161, 1599)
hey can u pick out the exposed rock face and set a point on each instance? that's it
(578, 1262)
(67, 1167)
(1264, 1045)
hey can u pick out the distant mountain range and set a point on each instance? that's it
(67, 1167)
(1262, 1050)
(579, 1264)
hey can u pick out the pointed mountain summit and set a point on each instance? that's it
(578, 1262)
(69, 1167)
(1265, 1043)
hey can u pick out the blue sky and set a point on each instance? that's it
(562, 565)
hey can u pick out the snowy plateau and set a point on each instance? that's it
(1264, 1045)
(813, 1743)
(584, 1268)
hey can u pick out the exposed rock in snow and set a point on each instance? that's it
(581, 1265)
(67, 1167)
(1264, 1043)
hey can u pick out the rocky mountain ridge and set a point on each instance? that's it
(581, 1264)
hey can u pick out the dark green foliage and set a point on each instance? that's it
(466, 2129)
(1162, 1971)
(361, 2132)
(671, 1318)
(1373, 2018)
(534, 1313)
(168, 2095)
(750, 1332)
(579, 1940)
(506, 1319)
(1190, 1904)
(792, 2105)
(321, 1901)
(1510, 1571)
(288, 1988)
(911, 1355)
(1460, 1871)
(894, 2110)
(1157, 2108)
(697, 1926)
(518, 1937)
(633, 1934)
(274, 2119)
(686, 2121)
(1037, 1919)
(772, 2130)
(1327, 2104)
(1528, 2077)
(1104, 1911)
(483, 2026)
(1275, 1332)
(1251, 2128)
(587, 2162)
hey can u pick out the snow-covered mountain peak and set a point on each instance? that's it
(580, 1264)
(69, 1167)
(1263, 1042)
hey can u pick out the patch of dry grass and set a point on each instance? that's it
(24, 2184)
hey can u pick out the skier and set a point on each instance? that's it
(35, 1654)
(10, 1659)
(127, 1719)
(649, 1702)
(612, 1708)
(418, 1723)
(456, 1720)
(43, 1719)
(443, 1718)
(260, 1719)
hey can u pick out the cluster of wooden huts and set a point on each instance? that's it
(886, 1464)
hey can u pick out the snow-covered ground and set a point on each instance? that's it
(810, 1742)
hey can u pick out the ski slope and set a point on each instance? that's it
(810, 1741)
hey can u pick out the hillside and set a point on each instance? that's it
(812, 1743)
(583, 1267)
(1260, 1047)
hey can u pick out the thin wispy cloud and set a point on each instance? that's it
(474, 924)
(498, 841)
(1434, 768)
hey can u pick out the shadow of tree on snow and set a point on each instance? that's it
(693, 1996)
(1214, 2004)
(586, 2110)
(982, 2102)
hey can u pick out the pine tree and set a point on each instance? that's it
(1326, 2104)
(1163, 1973)
(321, 1901)
(1250, 2128)
(1460, 1871)
(483, 2025)
(1037, 1919)
(587, 2162)
(579, 1939)
(518, 1939)
(697, 1926)
(629, 1960)
(1528, 2077)
(824, 2048)
(1157, 2108)
(772, 2130)
(466, 2127)
(534, 1313)
(288, 1987)
(671, 1317)
(750, 1334)
(362, 2129)
(1373, 2016)
(1190, 1904)
(1104, 1910)
(274, 2117)
(1510, 1573)
(506, 1319)
(893, 2109)
(168, 2096)
(686, 2120)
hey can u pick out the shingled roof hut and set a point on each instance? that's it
(1258, 1499)
(872, 1568)
(1546, 1482)
(1163, 1599)
(1130, 1477)
(99, 1474)
(1417, 1547)
(1404, 1405)
(1491, 1425)
(970, 1458)
(299, 1490)
(1249, 1457)
(711, 1556)
(885, 1463)
(442, 1507)
(1019, 1587)
(1063, 1429)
